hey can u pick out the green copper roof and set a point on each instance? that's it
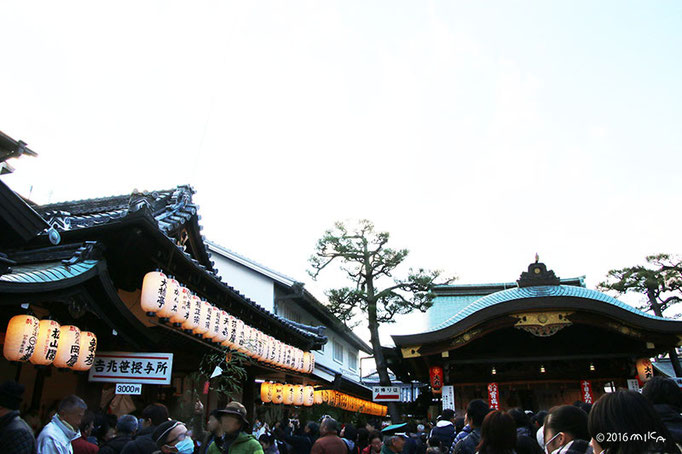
(545, 291)
(46, 272)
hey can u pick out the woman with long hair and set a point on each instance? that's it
(498, 434)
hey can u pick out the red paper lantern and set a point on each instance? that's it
(436, 379)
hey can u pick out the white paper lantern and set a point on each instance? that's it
(86, 354)
(69, 346)
(153, 296)
(223, 329)
(192, 322)
(47, 343)
(184, 307)
(21, 337)
(171, 306)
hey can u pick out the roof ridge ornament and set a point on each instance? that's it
(538, 275)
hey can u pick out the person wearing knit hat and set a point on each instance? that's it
(15, 435)
(171, 437)
(235, 426)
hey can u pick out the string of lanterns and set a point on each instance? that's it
(165, 298)
(300, 395)
(45, 342)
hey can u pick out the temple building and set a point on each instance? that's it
(537, 342)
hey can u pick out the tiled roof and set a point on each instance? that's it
(544, 291)
(170, 209)
(46, 272)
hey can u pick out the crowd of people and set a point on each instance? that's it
(623, 422)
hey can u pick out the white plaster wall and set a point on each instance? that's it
(253, 285)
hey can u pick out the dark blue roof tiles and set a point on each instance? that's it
(506, 296)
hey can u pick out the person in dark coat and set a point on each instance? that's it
(524, 443)
(125, 430)
(152, 416)
(16, 436)
(666, 397)
(566, 431)
(476, 413)
(302, 443)
(444, 431)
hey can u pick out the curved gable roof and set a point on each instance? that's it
(544, 291)
(538, 291)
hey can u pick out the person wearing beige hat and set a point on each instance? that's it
(235, 426)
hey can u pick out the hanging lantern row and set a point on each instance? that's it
(167, 299)
(45, 342)
(299, 395)
(278, 393)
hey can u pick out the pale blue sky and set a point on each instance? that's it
(478, 133)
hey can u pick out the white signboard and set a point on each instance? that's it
(136, 368)
(448, 397)
(633, 385)
(386, 393)
(131, 388)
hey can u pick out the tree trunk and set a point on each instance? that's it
(674, 359)
(382, 370)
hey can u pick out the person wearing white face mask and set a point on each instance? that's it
(171, 437)
(565, 431)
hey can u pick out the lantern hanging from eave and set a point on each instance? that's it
(184, 307)
(68, 349)
(86, 354)
(299, 391)
(229, 327)
(288, 356)
(318, 398)
(192, 322)
(288, 394)
(251, 343)
(278, 393)
(299, 360)
(246, 342)
(21, 337)
(204, 319)
(242, 338)
(436, 379)
(308, 396)
(266, 392)
(153, 295)
(267, 346)
(645, 370)
(46, 344)
(262, 346)
(325, 396)
(277, 361)
(223, 329)
(171, 307)
(255, 343)
(211, 324)
(306, 362)
(214, 329)
(237, 336)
